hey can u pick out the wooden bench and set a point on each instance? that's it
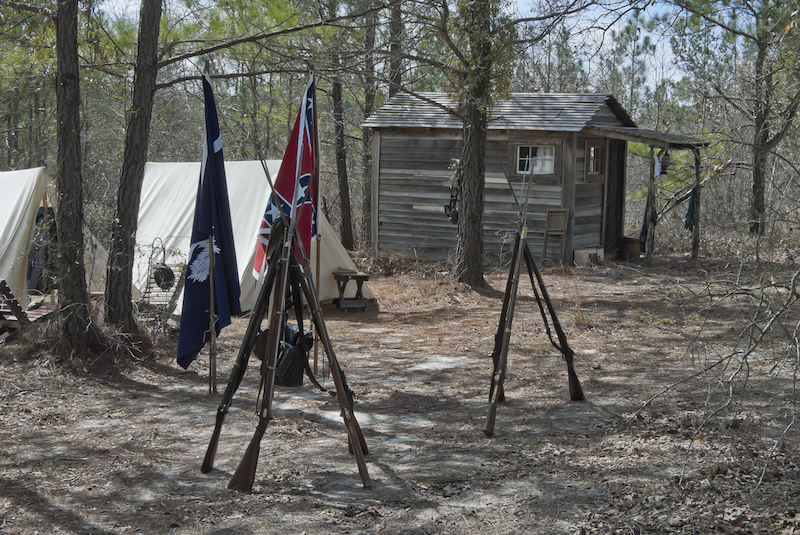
(343, 276)
(12, 317)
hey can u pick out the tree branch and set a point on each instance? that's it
(264, 36)
(31, 8)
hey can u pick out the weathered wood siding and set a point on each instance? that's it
(588, 216)
(414, 185)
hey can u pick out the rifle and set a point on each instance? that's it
(244, 476)
(240, 366)
(245, 473)
(499, 335)
(356, 443)
(503, 335)
(500, 359)
(575, 390)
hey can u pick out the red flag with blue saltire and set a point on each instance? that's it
(299, 155)
(212, 217)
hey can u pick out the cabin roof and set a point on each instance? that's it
(563, 112)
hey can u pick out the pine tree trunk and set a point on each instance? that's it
(73, 299)
(366, 133)
(763, 93)
(341, 162)
(395, 50)
(469, 248)
(477, 102)
(118, 306)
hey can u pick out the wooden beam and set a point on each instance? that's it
(568, 193)
(376, 179)
(698, 186)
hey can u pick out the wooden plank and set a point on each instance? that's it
(419, 162)
(405, 173)
(583, 213)
(416, 143)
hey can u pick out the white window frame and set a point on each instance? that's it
(598, 146)
(544, 160)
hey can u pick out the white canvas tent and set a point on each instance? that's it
(23, 192)
(166, 213)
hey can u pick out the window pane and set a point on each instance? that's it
(594, 157)
(537, 159)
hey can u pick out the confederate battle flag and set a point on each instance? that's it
(297, 160)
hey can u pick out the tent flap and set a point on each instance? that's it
(23, 193)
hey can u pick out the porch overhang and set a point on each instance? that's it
(652, 138)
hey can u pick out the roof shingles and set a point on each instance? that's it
(566, 112)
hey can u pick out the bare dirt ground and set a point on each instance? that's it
(121, 453)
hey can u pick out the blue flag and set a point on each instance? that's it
(212, 217)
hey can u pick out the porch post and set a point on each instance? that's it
(375, 184)
(696, 215)
(568, 194)
(650, 209)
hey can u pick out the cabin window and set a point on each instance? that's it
(595, 156)
(536, 159)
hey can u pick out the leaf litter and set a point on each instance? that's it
(121, 452)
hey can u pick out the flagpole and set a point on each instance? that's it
(315, 201)
(212, 347)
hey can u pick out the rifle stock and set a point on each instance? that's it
(498, 377)
(239, 367)
(211, 452)
(245, 474)
(575, 390)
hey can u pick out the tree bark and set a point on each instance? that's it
(763, 93)
(698, 189)
(118, 306)
(341, 160)
(469, 247)
(80, 338)
(395, 48)
(650, 211)
(478, 99)
(368, 82)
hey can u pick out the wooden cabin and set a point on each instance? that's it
(574, 144)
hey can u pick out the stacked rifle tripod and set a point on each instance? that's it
(285, 271)
(504, 329)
